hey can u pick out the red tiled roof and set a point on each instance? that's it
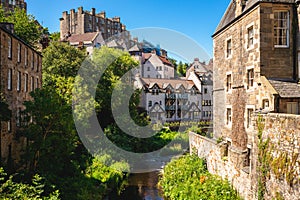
(165, 61)
(86, 37)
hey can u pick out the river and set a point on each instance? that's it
(141, 186)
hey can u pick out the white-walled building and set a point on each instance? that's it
(155, 66)
(187, 98)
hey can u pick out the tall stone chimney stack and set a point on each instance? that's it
(240, 5)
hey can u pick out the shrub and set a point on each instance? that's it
(188, 178)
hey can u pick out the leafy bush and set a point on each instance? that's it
(34, 191)
(188, 178)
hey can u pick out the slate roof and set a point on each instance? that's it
(286, 88)
(229, 15)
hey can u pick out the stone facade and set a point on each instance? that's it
(81, 22)
(283, 163)
(21, 68)
(255, 71)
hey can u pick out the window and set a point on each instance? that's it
(19, 81)
(205, 90)
(228, 82)
(9, 126)
(249, 116)
(250, 78)
(32, 84)
(281, 28)
(292, 108)
(250, 38)
(9, 43)
(149, 103)
(228, 116)
(9, 79)
(26, 83)
(266, 104)
(228, 48)
(37, 83)
(148, 68)
(26, 56)
(247, 160)
(32, 60)
(19, 52)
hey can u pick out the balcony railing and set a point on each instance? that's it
(170, 96)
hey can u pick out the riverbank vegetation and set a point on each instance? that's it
(188, 178)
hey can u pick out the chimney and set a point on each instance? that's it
(80, 10)
(8, 27)
(103, 14)
(240, 6)
(93, 11)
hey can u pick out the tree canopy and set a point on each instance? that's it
(26, 26)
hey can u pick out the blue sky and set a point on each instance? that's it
(197, 19)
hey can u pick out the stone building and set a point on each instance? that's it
(81, 22)
(21, 73)
(10, 5)
(256, 70)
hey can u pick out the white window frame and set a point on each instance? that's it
(19, 52)
(19, 79)
(9, 43)
(9, 79)
(278, 28)
(249, 37)
(26, 82)
(26, 57)
(248, 124)
(249, 87)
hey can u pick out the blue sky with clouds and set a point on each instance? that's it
(195, 18)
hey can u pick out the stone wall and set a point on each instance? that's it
(282, 180)
(283, 133)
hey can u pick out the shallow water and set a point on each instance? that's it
(142, 186)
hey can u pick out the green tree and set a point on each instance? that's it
(55, 36)
(14, 191)
(25, 25)
(5, 115)
(181, 68)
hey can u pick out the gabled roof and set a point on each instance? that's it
(134, 48)
(85, 38)
(229, 16)
(164, 83)
(165, 61)
(286, 88)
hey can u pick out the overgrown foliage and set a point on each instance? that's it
(188, 178)
(10, 190)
